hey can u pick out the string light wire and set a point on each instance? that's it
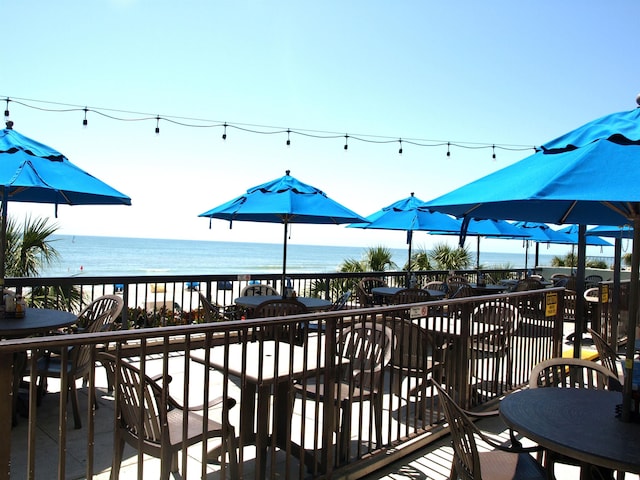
(133, 116)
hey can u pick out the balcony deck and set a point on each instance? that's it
(432, 462)
(411, 446)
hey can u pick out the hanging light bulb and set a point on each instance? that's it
(346, 139)
(400, 151)
(84, 121)
(494, 152)
(158, 125)
(288, 138)
(448, 151)
(6, 110)
(224, 134)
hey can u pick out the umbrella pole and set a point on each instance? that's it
(631, 328)
(615, 294)
(3, 245)
(579, 312)
(284, 261)
(409, 241)
(478, 253)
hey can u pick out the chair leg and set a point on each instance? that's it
(377, 412)
(74, 403)
(41, 390)
(118, 451)
(344, 439)
(165, 466)
(231, 448)
(174, 462)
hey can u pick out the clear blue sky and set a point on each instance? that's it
(493, 72)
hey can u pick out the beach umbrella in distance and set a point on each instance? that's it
(586, 177)
(406, 215)
(571, 231)
(284, 200)
(33, 172)
(539, 233)
(488, 228)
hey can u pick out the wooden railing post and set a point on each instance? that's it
(6, 412)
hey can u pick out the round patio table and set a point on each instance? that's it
(579, 423)
(35, 321)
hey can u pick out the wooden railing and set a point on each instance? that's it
(173, 299)
(479, 359)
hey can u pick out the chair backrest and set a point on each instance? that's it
(136, 410)
(436, 285)
(573, 373)
(608, 356)
(499, 320)
(279, 307)
(342, 300)
(459, 290)
(465, 458)
(414, 346)
(100, 315)
(410, 295)
(258, 289)
(368, 347)
(364, 287)
(559, 279)
(528, 284)
(210, 311)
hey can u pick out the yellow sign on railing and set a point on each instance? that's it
(552, 305)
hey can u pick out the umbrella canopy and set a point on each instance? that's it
(284, 200)
(571, 231)
(588, 176)
(611, 232)
(487, 228)
(406, 215)
(33, 172)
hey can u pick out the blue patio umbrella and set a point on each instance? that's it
(571, 231)
(539, 233)
(543, 233)
(586, 177)
(623, 231)
(488, 228)
(33, 172)
(405, 215)
(284, 200)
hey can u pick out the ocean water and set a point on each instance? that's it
(108, 256)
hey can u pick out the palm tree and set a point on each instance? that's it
(375, 259)
(378, 259)
(29, 248)
(419, 261)
(448, 258)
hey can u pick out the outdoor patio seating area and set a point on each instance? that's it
(432, 461)
(218, 355)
